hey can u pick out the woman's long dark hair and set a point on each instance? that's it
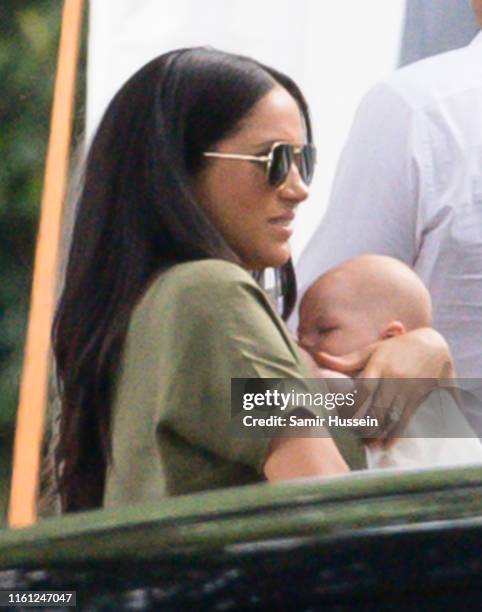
(136, 215)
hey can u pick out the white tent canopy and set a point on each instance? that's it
(334, 50)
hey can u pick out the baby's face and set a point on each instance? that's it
(330, 320)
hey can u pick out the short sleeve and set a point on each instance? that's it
(222, 326)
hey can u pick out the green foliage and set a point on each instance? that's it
(28, 46)
(29, 36)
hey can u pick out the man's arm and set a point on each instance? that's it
(375, 195)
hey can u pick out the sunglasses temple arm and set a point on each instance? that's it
(260, 158)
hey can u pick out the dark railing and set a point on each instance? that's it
(365, 542)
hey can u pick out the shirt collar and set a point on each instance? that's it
(477, 40)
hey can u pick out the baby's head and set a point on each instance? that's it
(366, 299)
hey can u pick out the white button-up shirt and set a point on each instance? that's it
(409, 185)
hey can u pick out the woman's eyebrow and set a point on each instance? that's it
(268, 143)
(264, 145)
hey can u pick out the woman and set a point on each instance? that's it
(191, 185)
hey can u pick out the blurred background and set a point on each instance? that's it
(336, 50)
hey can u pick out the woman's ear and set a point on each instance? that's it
(394, 328)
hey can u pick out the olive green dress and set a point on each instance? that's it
(198, 325)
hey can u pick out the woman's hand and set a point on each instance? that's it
(314, 368)
(403, 371)
(420, 353)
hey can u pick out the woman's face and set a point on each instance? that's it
(255, 219)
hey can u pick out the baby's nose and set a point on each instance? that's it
(305, 341)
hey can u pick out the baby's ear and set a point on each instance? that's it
(394, 328)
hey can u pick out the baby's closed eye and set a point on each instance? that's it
(324, 330)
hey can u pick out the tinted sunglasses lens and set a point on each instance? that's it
(307, 163)
(281, 160)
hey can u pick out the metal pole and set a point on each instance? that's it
(33, 388)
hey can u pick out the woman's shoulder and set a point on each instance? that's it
(206, 277)
(208, 271)
(195, 296)
(203, 290)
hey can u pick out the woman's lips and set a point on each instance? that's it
(284, 224)
(283, 219)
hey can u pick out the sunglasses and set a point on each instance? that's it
(278, 161)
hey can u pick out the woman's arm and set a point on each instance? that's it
(291, 458)
(225, 328)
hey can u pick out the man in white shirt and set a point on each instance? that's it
(409, 185)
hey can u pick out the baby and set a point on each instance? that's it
(371, 298)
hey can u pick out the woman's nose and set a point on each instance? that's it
(294, 188)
